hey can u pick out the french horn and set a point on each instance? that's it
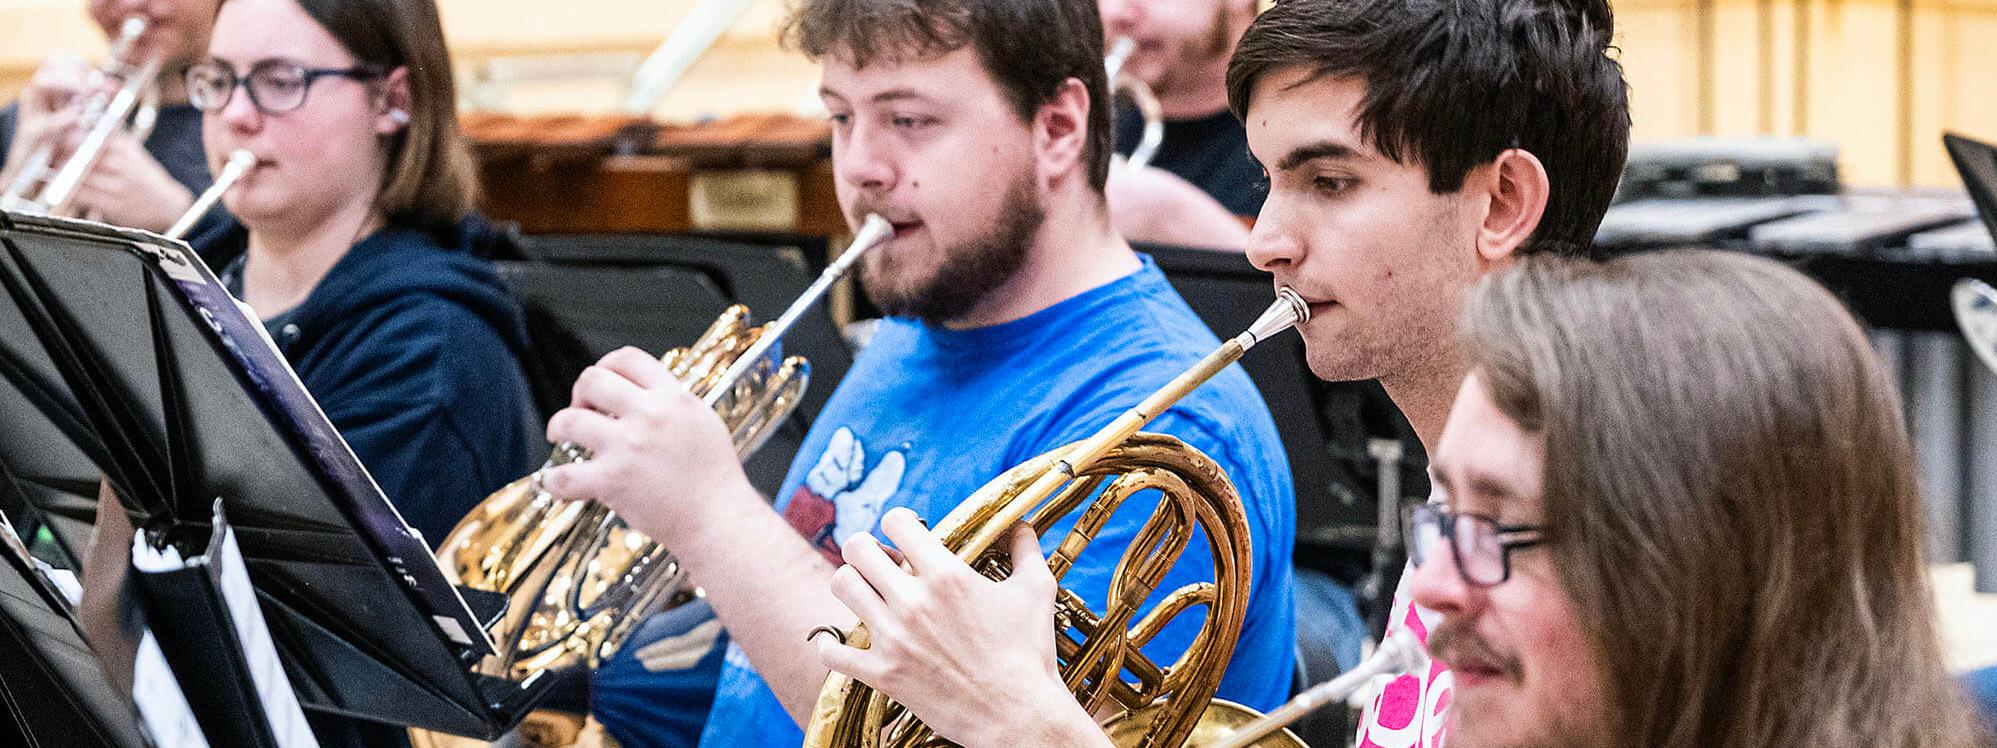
(576, 578)
(1228, 725)
(1140, 96)
(41, 186)
(1165, 704)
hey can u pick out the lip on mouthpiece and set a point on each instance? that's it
(1287, 311)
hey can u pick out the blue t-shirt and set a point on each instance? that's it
(928, 415)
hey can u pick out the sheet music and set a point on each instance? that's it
(279, 702)
(161, 704)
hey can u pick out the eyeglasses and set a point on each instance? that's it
(1481, 547)
(274, 86)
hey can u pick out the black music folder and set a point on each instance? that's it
(123, 359)
(204, 616)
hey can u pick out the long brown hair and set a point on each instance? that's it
(1730, 497)
(431, 179)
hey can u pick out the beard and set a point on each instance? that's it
(969, 271)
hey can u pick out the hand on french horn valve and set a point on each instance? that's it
(972, 658)
(659, 457)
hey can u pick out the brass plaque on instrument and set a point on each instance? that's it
(744, 200)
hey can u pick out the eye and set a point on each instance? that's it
(911, 122)
(1333, 185)
(281, 82)
(840, 119)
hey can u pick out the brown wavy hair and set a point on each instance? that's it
(1029, 47)
(1720, 434)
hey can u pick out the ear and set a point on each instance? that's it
(1516, 187)
(1061, 131)
(393, 106)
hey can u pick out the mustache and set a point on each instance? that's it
(863, 205)
(1453, 641)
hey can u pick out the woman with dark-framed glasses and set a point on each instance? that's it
(354, 242)
(1675, 505)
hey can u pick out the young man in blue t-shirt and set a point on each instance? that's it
(1411, 148)
(1019, 321)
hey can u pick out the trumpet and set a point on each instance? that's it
(577, 579)
(1142, 97)
(238, 165)
(132, 106)
(1164, 706)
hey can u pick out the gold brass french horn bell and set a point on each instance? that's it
(578, 580)
(1163, 707)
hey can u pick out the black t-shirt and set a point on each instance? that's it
(175, 141)
(1210, 152)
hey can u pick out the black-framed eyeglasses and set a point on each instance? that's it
(274, 86)
(1480, 546)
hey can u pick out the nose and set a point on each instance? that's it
(1272, 244)
(238, 111)
(1121, 16)
(1436, 584)
(862, 160)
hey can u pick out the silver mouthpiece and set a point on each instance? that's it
(1287, 311)
(1398, 653)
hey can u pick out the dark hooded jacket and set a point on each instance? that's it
(413, 348)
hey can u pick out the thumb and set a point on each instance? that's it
(1027, 563)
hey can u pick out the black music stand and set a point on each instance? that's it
(122, 358)
(53, 689)
(1977, 161)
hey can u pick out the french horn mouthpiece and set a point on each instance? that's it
(1287, 311)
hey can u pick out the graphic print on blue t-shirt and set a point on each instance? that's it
(926, 416)
(843, 495)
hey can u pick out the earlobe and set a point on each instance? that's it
(1518, 189)
(394, 102)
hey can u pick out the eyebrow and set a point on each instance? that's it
(893, 94)
(252, 64)
(1491, 493)
(1322, 149)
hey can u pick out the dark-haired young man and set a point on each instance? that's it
(1020, 321)
(1412, 147)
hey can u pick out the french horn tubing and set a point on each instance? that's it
(1397, 654)
(1142, 97)
(577, 579)
(1163, 706)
